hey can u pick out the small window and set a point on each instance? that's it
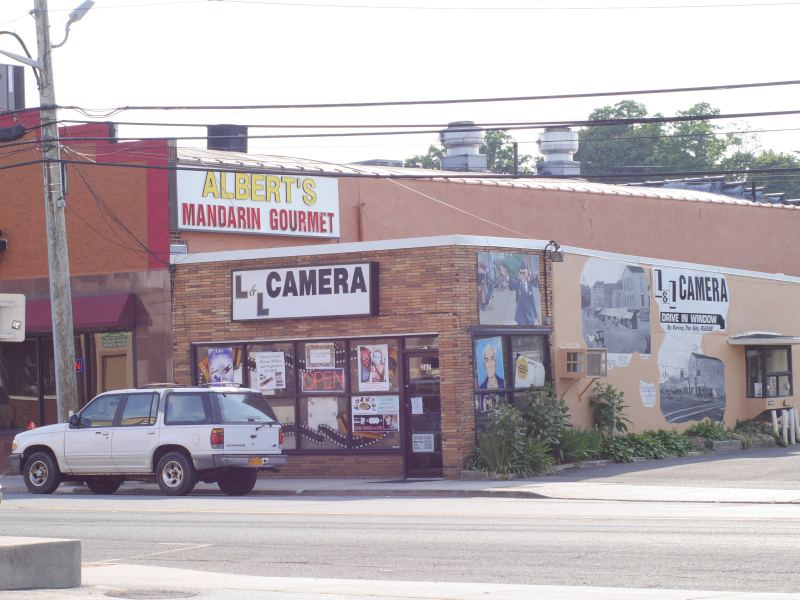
(768, 371)
(140, 409)
(575, 362)
(101, 411)
(186, 409)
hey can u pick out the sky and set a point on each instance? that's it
(244, 52)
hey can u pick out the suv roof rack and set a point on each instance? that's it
(222, 384)
(159, 385)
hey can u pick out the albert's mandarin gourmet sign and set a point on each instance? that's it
(258, 203)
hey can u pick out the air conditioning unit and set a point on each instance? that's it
(577, 363)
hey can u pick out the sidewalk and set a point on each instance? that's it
(634, 483)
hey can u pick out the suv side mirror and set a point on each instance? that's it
(73, 421)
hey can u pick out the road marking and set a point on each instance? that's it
(112, 561)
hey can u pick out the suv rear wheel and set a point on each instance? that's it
(238, 482)
(104, 485)
(41, 473)
(175, 474)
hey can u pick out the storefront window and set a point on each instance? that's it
(272, 368)
(373, 366)
(322, 367)
(285, 410)
(768, 371)
(424, 342)
(324, 423)
(219, 364)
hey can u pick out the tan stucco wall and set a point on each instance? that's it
(755, 304)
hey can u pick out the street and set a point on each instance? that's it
(489, 540)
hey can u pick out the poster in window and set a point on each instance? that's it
(321, 356)
(220, 365)
(422, 442)
(376, 414)
(270, 370)
(373, 372)
(528, 371)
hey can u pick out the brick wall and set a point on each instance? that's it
(421, 290)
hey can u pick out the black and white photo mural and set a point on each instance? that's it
(615, 309)
(691, 304)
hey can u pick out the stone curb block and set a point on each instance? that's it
(39, 563)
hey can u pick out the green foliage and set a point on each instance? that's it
(650, 444)
(608, 409)
(709, 430)
(578, 444)
(743, 160)
(546, 415)
(431, 160)
(753, 426)
(651, 147)
(505, 448)
(499, 149)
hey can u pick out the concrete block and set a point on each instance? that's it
(39, 563)
(726, 445)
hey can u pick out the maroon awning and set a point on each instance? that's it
(88, 312)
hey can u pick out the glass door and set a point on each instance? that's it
(423, 455)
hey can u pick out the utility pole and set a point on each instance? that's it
(56, 229)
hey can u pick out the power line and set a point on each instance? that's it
(112, 111)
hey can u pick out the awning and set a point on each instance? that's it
(88, 312)
(763, 338)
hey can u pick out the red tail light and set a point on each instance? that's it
(217, 438)
(280, 437)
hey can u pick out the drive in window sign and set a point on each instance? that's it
(312, 291)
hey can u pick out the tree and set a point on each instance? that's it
(695, 145)
(498, 147)
(744, 160)
(431, 160)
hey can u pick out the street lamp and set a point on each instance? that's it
(57, 256)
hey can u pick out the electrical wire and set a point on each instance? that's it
(706, 88)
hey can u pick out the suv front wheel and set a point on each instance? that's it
(41, 473)
(237, 482)
(175, 474)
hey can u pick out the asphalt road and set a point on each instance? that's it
(490, 540)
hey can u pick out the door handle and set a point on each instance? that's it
(151, 433)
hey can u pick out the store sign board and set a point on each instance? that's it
(314, 291)
(691, 301)
(258, 203)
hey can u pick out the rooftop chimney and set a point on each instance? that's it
(232, 138)
(462, 143)
(557, 146)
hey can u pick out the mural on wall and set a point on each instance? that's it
(508, 289)
(690, 304)
(615, 309)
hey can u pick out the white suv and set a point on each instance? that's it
(175, 435)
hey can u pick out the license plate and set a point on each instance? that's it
(257, 461)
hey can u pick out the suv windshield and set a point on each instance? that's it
(244, 407)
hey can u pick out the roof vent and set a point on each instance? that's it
(557, 146)
(462, 143)
(231, 138)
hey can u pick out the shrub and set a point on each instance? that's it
(505, 448)
(650, 444)
(608, 410)
(546, 415)
(710, 430)
(578, 444)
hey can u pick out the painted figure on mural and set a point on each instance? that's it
(526, 286)
(493, 381)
